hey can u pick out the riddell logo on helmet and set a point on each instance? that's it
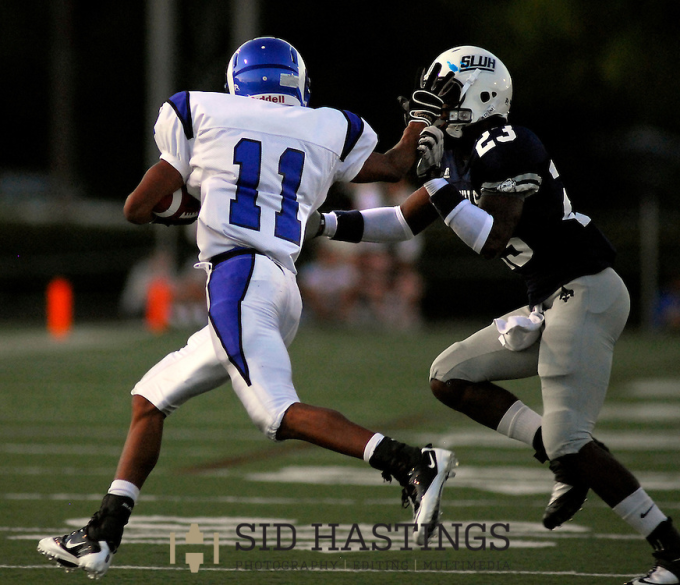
(276, 99)
(478, 62)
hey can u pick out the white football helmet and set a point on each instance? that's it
(478, 86)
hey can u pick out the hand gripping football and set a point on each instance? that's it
(180, 208)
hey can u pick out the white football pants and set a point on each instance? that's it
(254, 308)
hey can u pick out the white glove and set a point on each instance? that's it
(431, 150)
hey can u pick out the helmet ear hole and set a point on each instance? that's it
(485, 96)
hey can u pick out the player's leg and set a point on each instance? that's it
(187, 372)
(574, 363)
(255, 308)
(460, 378)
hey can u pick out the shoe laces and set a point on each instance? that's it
(93, 523)
(407, 498)
(406, 491)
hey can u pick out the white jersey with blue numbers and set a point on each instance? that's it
(259, 168)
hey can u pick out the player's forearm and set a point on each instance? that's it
(393, 165)
(159, 180)
(402, 156)
(378, 225)
(471, 224)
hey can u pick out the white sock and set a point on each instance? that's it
(373, 442)
(640, 511)
(120, 487)
(520, 423)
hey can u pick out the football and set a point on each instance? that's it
(178, 208)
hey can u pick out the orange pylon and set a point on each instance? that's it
(158, 305)
(59, 300)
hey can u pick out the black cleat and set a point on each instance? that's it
(568, 495)
(565, 501)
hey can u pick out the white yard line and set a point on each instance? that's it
(415, 569)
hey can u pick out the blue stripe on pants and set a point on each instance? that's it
(227, 288)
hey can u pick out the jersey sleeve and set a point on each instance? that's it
(508, 160)
(173, 133)
(360, 142)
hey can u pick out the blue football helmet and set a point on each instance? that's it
(270, 69)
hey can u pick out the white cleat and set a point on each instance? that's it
(425, 487)
(76, 551)
(659, 575)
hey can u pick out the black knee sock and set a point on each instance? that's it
(538, 446)
(665, 540)
(395, 459)
(108, 523)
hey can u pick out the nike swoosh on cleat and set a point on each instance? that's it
(644, 514)
(432, 464)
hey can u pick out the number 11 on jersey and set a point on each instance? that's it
(244, 210)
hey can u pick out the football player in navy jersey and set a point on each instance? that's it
(261, 162)
(497, 188)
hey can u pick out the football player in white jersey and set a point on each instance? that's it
(496, 187)
(261, 162)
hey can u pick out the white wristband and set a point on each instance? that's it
(330, 225)
(470, 223)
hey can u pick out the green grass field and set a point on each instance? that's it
(64, 408)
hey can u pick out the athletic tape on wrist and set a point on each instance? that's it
(330, 224)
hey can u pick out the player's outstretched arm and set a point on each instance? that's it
(393, 165)
(487, 228)
(380, 224)
(160, 180)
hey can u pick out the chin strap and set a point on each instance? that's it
(468, 84)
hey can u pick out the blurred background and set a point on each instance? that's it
(82, 83)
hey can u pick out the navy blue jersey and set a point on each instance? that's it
(551, 244)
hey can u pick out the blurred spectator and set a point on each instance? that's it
(189, 305)
(667, 313)
(158, 265)
(366, 284)
(187, 285)
(329, 283)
